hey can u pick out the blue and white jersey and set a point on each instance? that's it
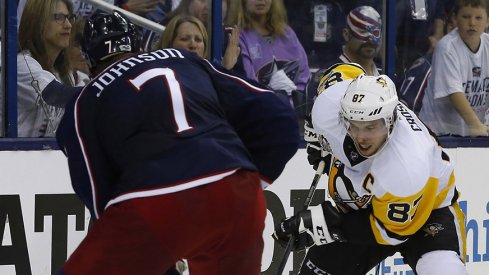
(165, 121)
(414, 84)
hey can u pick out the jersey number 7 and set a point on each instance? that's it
(176, 97)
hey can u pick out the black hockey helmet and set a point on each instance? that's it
(107, 34)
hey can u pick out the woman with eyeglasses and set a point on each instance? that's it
(44, 73)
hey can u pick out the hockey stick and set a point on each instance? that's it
(314, 184)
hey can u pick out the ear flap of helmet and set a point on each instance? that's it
(108, 34)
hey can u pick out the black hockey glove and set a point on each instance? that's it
(316, 152)
(317, 225)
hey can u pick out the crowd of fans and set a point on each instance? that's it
(284, 44)
(442, 52)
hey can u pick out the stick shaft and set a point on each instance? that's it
(307, 201)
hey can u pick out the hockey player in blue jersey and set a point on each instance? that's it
(169, 154)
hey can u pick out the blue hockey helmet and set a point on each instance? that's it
(108, 34)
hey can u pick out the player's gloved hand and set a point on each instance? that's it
(280, 81)
(315, 151)
(317, 225)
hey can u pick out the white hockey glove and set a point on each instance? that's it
(280, 81)
(317, 225)
(317, 146)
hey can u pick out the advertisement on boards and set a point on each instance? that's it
(42, 221)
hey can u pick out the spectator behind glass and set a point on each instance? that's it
(411, 42)
(270, 50)
(413, 83)
(42, 62)
(188, 32)
(318, 25)
(200, 10)
(362, 42)
(185, 32)
(456, 100)
(363, 38)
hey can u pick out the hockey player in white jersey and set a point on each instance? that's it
(392, 184)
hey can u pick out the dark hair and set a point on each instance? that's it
(459, 4)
